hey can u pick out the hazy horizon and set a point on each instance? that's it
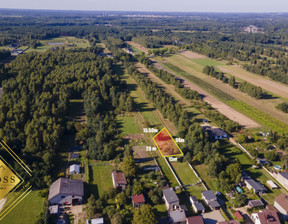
(221, 6)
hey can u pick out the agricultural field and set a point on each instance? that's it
(203, 88)
(223, 91)
(26, 211)
(274, 87)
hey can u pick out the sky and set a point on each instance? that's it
(153, 5)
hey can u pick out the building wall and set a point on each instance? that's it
(172, 205)
(255, 218)
(67, 198)
(281, 210)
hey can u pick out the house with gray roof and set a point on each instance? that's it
(66, 191)
(170, 198)
(256, 186)
(210, 200)
(216, 133)
(255, 203)
(177, 216)
(196, 205)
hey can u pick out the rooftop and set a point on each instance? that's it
(282, 200)
(214, 204)
(284, 174)
(238, 215)
(199, 206)
(97, 221)
(138, 198)
(268, 217)
(229, 222)
(255, 203)
(66, 186)
(255, 185)
(170, 195)
(209, 195)
(195, 220)
(177, 215)
(119, 177)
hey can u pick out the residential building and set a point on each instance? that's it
(210, 200)
(239, 216)
(265, 216)
(281, 204)
(229, 222)
(177, 216)
(119, 180)
(216, 133)
(196, 205)
(138, 200)
(170, 198)
(281, 177)
(74, 169)
(255, 203)
(66, 191)
(195, 220)
(256, 186)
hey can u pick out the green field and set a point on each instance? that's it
(206, 61)
(204, 85)
(101, 179)
(167, 172)
(128, 125)
(210, 182)
(68, 41)
(187, 177)
(259, 116)
(26, 211)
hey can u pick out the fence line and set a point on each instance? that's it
(173, 172)
(194, 171)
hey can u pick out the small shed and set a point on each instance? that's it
(138, 200)
(255, 203)
(271, 184)
(97, 221)
(74, 169)
(53, 210)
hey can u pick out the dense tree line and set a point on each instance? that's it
(283, 107)
(34, 106)
(246, 87)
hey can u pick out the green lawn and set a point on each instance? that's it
(187, 177)
(26, 211)
(128, 125)
(160, 210)
(68, 41)
(167, 172)
(101, 179)
(202, 170)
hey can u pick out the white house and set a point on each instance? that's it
(170, 198)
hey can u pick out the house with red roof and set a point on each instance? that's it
(238, 215)
(138, 200)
